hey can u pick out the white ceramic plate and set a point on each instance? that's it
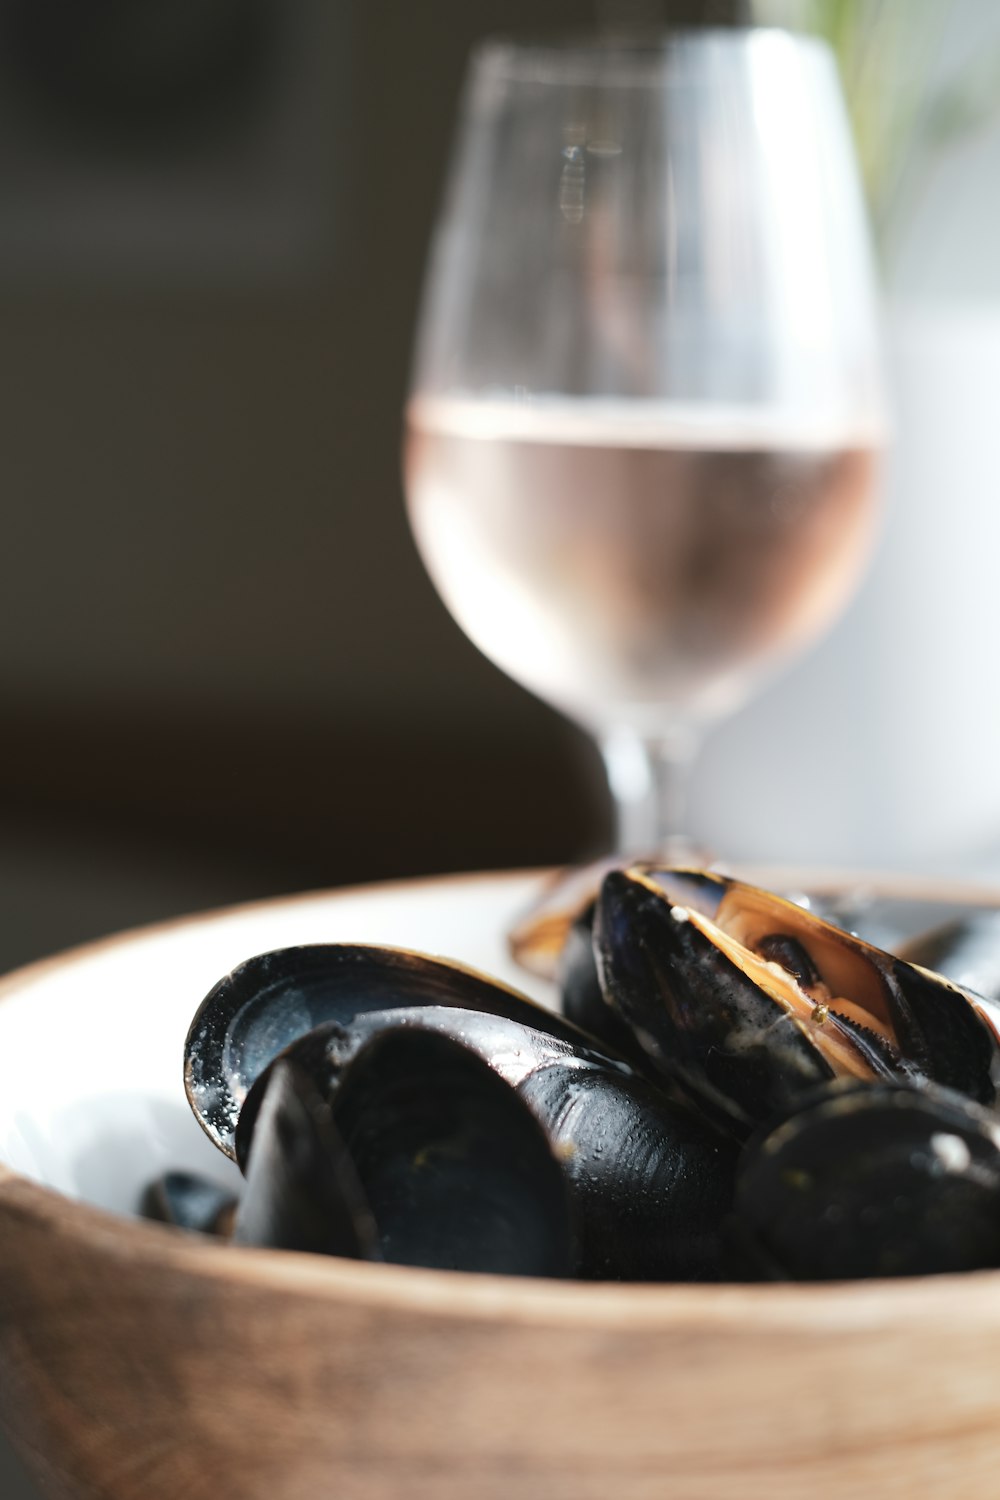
(91, 1043)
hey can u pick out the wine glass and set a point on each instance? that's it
(646, 409)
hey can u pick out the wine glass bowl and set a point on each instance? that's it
(643, 429)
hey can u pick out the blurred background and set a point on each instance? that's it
(223, 671)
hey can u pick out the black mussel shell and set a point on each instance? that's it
(302, 1190)
(696, 890)
(456, 1169)
(753, 1004)
(581, 996)
(266, 1003)
(966, 950)
(716, 1035)
(189, 1202)
(903, 1021)
(650, 1183)
(942, 1035)
(423, 1156)
(537, 938)
(510, 1048)
(876, 1180)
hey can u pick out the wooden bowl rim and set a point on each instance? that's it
(932, 1301)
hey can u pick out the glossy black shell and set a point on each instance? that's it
(649, 1183)
(266, 1003)
(425, 1158)
(882, 1180)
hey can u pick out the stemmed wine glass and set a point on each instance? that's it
(646, 407)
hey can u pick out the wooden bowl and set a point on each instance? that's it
(138, 1363)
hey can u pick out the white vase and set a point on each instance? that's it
(882, 747)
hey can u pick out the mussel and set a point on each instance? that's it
(649, 1182)
(272, 999)
(302, 1190)
(537, 939)
(190, 1202)
(581, 996)
(753, 1091)
(424, 1157)
(884, 1180)
(748, 1002)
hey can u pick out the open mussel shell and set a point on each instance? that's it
(266, 1003)
(649, 1183)
(919, 1024)
(702, 1021)
(882, 1180)
(510, 1048)
(423, 1157)
(748, 1001)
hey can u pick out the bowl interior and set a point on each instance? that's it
(92, 1101)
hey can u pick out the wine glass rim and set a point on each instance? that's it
(634, 56)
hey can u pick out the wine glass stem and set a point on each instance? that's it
(648, 776)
